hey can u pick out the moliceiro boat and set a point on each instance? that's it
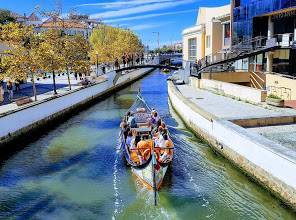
(146, 144)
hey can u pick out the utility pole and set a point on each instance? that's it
(158, 42)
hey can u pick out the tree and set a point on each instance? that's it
(5, 16)
(111, 42)
(20, 60)
(75, 53)
(50, 54)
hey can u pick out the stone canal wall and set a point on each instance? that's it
(21, 122)
(246, 150)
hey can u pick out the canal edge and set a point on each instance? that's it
(272, 184)
(35, 129)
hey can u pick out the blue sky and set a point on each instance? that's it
(169, 17)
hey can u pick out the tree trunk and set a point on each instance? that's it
(54, 83)
(34, 87)
(69, 81)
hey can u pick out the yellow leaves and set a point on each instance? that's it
(75, 49)
(111, 43)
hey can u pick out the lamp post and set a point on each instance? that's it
(158, 43)
(97, 63)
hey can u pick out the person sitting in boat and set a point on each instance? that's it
(157, 135)
(167, 152)
(156, 126)
(144, 148)
(123, 124)
(132, 121)
(154, 118)
(129, 138)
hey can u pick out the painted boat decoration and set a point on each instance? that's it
(146, 144)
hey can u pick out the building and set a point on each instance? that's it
(210, 34)
(69, 26)
(275, 22)
(32, 19)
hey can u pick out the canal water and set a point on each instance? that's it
(76, 171)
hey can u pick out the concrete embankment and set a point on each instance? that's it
(23, 123)
(255, 155)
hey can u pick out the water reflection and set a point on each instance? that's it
(76, 172)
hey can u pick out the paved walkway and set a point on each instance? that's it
(44, 90)
(42, 86)
(228, 108)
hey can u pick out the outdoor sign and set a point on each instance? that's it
(286, 40)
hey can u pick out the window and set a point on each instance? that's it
(227, 34)
(192, 49)
(236, 3)
(208, 41)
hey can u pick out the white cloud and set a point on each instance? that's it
(147, 16)
(118, 4)
(141, 27)
(139, 9)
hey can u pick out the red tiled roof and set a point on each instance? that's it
(59, 23)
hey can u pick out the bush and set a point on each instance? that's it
(273, 96)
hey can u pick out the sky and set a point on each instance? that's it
(145, 17)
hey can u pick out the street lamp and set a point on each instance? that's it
(97, 63)
(158, 43)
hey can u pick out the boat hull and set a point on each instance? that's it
(146, 175)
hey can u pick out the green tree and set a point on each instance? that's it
(5, 16)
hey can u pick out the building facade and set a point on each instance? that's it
(69, 26)
(209, 35)
(276, 21)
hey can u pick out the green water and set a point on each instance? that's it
(75, 172)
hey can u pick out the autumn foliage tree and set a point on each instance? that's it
(20, 59)
(75, 52)
(111, 43)
(50, 55)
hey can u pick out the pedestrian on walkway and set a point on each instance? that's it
(1, 92)
(138, 59)
(127, 60)
(142, 58)
(116, 64)
(124, 59)
(17, 86)
(9, 88)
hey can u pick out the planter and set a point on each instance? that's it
(275, 102)
(23, 101)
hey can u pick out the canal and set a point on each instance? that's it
(75, 171)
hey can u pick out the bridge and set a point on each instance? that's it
(160, 66)
(163, 61)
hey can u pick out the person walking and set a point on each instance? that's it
(142, 58)
(9, 88)
(138, 59)
(124, 60)
(116, 64)
(17, 86)
(127, 60)
(1, 92)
